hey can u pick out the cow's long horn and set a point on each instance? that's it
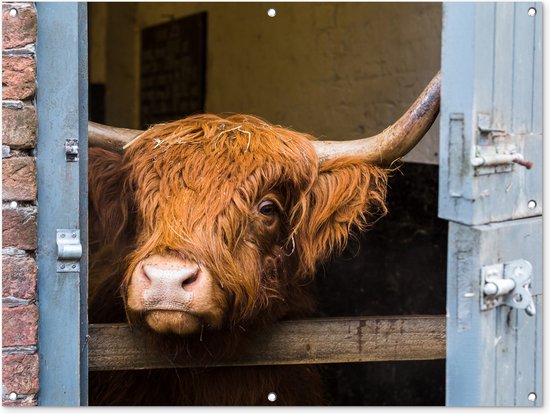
(110, 138)
(383, 149)
(396, 140)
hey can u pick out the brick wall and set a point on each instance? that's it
(19, 209)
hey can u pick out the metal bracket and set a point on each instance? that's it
(71, 150)
(507, 284)
(69, 251)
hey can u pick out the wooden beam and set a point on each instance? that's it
(309, 341)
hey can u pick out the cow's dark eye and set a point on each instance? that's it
(267, 208)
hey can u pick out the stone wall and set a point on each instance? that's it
(19, 208)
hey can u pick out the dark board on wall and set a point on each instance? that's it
(173, 69)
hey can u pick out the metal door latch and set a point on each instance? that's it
(495, 153)
(71, 150)
(507, 284)
(69, 251)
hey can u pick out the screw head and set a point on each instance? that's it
(13, 396)
(62, 266)
(13, 13)
(74, 235)
(62, 235)
(272, 397)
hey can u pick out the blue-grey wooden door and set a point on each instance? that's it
(62, 104)
(491, 119)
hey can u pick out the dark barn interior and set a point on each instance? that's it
(337, 71)
(396, 268)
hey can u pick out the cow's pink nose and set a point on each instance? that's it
(171, 278)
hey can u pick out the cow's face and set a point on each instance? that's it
(232, 216)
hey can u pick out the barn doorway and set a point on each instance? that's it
(337, 71)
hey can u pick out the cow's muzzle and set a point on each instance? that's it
(165, 283)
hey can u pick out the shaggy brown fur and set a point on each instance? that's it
(189, 187)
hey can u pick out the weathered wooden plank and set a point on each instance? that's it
(537, 72)
(503, 64)
(523, 69)
(526, 357)
(505, 352)
(310, 341)
(458, 70)
(485, 56)
(538, 350)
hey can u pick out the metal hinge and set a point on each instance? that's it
(69, 251)
(71, 150)
(507, 284)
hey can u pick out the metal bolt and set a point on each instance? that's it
(62, 266)
(490, 289)
(62, 235)
(73, 266)
(524, 163)
(74, 235)
(532, 397)
(272, 397)
(13, 12)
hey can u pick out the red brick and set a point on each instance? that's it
(19, 325)
(19, 127)
(19, 30)
(19, 277)
(19, 228)
(20, 374)
(18, 77)
(27, 402)
(19, 178)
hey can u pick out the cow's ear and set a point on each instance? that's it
(110, 203)
(349, 194)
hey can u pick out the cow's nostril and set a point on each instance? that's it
(192, 278)
(168, 278)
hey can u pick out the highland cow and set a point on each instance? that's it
(208, 230)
